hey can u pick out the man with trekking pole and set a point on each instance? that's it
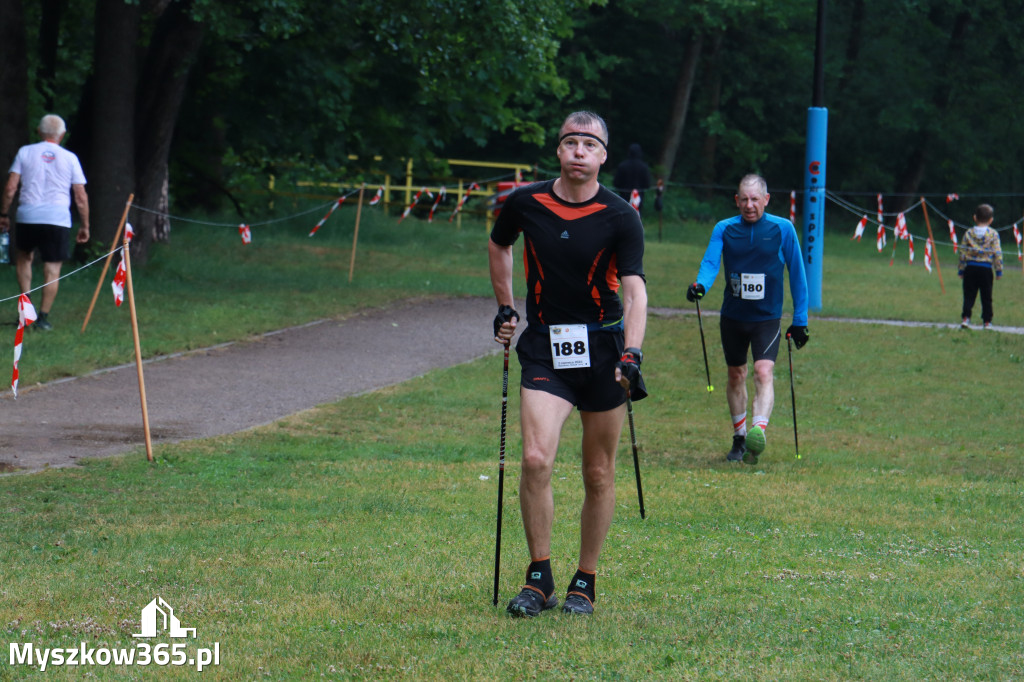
(756, 248)
(582, 243)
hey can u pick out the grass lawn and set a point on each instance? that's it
(356, 540)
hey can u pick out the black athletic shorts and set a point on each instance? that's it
(590, 389)
(51, 240)
(760, 338)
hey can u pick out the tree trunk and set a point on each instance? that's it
(680, 106)
(709, 149)
(917, 163)
(49, 43)
(14, 126)
(111, 172)
(173, 49)
(854, 41)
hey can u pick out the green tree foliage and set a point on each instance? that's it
(933, 79)
(292, 79)
(397, 79)
(921, 93)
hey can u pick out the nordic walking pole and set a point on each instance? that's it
(501, 472)
(707, 370)
(792, 395)
(138, 349)
(106, 264)
(636, 457)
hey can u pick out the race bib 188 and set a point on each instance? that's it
(569, 346)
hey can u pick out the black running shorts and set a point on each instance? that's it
(51, 240)
(760, 338)
(590, 389)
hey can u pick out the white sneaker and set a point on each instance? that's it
(965, 323)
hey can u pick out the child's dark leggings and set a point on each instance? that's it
(978, 279)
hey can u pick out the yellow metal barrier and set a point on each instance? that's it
(408, 189)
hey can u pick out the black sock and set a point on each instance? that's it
(538, 575)
(583, 583)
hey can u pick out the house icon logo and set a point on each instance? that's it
(158, 615)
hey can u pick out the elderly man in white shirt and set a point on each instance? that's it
(49, 176)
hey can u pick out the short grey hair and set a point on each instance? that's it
(52, 126)
(755, 179)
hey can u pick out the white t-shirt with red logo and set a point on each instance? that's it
(47, 173)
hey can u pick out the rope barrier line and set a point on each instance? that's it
(70, 274)
(862, 214)
(169, 216)
(319, 207)
(831, 196)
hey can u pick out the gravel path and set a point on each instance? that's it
(241, 385)
(237, 386)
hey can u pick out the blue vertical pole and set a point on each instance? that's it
(814, 202)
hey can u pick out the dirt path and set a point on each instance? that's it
(240, 385)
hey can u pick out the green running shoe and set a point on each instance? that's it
(756, 441)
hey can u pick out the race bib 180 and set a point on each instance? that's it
(752, 286)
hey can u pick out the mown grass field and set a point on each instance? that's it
(356, 540)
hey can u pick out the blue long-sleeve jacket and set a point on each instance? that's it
(755, 257)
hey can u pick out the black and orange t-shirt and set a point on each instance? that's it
(574, 254)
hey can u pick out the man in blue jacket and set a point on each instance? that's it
(756, 248)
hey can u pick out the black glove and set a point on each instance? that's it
(505, 314)
(798, 334)
(629, 364)
(694, 292)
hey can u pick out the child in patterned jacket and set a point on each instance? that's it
(981, 261)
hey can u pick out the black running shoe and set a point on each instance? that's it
(529, 603)
(577, 603)
(739, 447)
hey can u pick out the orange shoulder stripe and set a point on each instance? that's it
(568, 212)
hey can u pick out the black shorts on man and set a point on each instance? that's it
(761, 339)
(590, 389)
(51, 240)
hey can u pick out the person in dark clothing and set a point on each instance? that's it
(633, 174)
(586, 316)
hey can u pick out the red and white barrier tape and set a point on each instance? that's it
(121, 275)
(339, 202)
(415, 200)
(440, 196)
(860, 228)
(462, 201)
(26, 316)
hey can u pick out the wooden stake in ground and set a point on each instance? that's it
(355, 236)
(106, 264)
(138, 349)
(935, 251)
